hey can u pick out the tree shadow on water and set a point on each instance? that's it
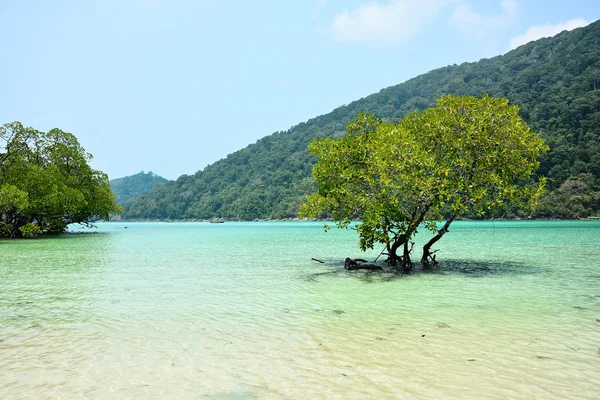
(481, 268)
(466, 268)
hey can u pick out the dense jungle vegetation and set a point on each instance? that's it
(555, 82)
(135, 185)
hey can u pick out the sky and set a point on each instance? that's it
(171, 86)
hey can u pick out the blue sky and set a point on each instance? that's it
(174, 85)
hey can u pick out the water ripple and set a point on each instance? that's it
(185, 311)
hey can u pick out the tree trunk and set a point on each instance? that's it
(406, 262)
(403, 261)
(393, 250)
(404, 240)
(427, 248)
(352, 265)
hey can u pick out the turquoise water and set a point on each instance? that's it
(240, 311)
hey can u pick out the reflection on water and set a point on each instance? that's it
(239, 311)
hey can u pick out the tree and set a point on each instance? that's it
(464, 157)
(376, 174)
(46, 182)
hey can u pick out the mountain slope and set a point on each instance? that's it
(555, 81)
(135, 185)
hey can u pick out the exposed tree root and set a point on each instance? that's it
(354, 264)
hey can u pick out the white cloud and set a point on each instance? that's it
(388, 22)
(548, 30)
(480, 26)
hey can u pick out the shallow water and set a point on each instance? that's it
(240, 311)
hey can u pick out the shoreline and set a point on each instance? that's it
(223, 220)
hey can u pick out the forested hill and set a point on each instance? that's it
(135, 185)
(555, 81)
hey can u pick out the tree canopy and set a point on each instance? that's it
(554, 81)
(46, 183)
(464, 157)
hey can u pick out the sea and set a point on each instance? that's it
(242, 310)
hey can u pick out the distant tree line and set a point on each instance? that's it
(554, 81)
(134, 185)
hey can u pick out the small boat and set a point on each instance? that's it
(217, 221)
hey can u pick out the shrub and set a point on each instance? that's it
(30, 230)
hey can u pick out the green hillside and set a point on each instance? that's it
(135, 185)
(555, 81)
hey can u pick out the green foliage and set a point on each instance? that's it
(46, 182)
(554, 81)
(12, 199)
(576, 197)
(464, 157)
(5, 230)
(135, 185)
(30, 230)
(484, 155)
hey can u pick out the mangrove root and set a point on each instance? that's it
(352, 265)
